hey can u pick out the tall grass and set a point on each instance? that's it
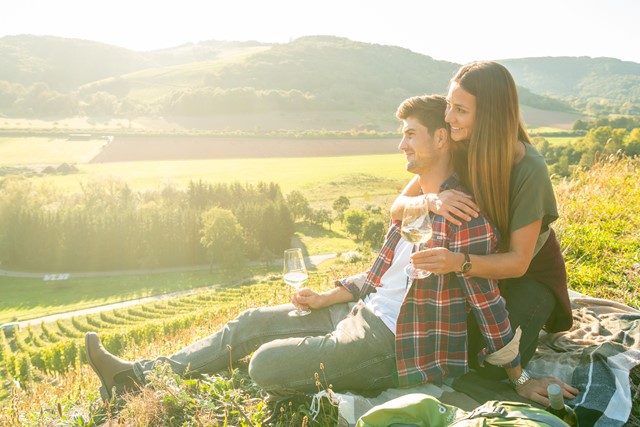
(599, 229)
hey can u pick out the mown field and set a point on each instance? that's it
(51, 385)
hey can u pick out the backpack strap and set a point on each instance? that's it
(499, 411)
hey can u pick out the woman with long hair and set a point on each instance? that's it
(510, 184)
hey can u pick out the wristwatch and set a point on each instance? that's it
(521, 380)
(466, 265)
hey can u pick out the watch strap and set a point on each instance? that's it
(466, 265)
(522, 379)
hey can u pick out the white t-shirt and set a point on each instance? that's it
(387, 300)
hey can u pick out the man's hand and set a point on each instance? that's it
(308, 298)
(536, 390)
(453, 205)
(437, 260)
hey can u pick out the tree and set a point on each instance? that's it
(320, 216)
(632, 143)
(221, 235)
(354, 221)
(341, 204)
(101, 104)
(373, 234)
(298, 205)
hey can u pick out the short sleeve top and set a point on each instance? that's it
(531, 195)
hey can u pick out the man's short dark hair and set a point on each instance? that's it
(428, 109)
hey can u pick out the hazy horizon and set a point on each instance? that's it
(470, 30)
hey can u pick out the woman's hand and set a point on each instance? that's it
(437, 260)
(453, 205)
(536, 390)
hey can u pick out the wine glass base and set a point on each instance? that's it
(414, 273)
(299, 313)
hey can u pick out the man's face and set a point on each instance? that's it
(419, 147)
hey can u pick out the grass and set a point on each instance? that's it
(599, 229)
(319, 240)
(29, 298)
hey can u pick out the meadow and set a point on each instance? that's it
(598, 230)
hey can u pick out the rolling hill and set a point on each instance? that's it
(323, 77)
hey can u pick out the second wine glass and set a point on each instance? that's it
(416, 228)
(295, 274)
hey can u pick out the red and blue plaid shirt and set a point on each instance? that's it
(431, 331)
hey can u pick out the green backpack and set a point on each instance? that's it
(421, 410)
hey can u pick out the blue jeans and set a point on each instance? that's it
(355, 347)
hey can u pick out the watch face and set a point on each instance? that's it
(467, 264)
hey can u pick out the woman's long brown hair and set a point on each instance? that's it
(490, 151)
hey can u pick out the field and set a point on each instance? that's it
(535, 117)
(25, 298)
(598, 230)
(363, 168)
(34, 151)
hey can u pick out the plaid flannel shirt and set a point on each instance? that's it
(431, 332)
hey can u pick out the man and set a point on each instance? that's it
(398, 333)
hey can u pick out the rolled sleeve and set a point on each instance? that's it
(354, 284)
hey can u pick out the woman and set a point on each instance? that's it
(510, 184)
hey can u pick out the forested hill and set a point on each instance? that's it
(63, 64)
(42, 76)
(592, 84)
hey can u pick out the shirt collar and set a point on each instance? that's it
(450, 183)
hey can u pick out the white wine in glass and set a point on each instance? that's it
(416, 228)
(295, 274)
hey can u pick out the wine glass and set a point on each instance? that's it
(295, 274)
(416, 228)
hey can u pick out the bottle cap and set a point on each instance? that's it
(554, 389)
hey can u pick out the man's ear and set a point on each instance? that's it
(442, 136)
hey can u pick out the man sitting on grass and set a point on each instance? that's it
(373, 331)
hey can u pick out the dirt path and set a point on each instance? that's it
(152, 148)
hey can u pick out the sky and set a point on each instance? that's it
(458, 31)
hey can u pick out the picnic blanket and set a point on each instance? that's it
(600, 356)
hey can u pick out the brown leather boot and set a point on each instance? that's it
(114, 373)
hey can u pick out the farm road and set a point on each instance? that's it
(313, 260)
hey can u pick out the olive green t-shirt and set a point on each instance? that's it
(531, 195)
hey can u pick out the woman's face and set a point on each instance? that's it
(461, 112)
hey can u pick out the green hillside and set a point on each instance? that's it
(593, 85)
(63, 64)
(54, 78)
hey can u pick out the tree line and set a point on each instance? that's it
(583, 152)
(108, 226)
